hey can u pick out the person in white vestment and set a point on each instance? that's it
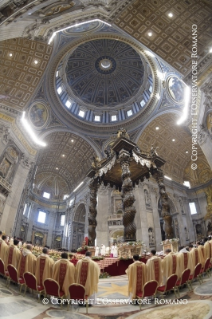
(115, 254)
(103, 250)
(96, 251)
(112, 250)
(107, 250)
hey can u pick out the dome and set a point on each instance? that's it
(104, 81)
(104, 72)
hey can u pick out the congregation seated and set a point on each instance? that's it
(154, 267)
(87, 274)
(13, 255)
(3, 248)
(27, 261)
(136, 273)
(63, 273)
(44, 267)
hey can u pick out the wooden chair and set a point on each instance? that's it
(170, 285)
(149, 289)
(52, 288)
(77, 292)
(13, 276)
(31, 283)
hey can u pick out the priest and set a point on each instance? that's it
(13, 255)
(44, 267)
(136, 273)
(154, 268)
(27, 261)
(3, 248)
(63, 273)
(87, 274)
(185, 260)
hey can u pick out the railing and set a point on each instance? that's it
(115, 217)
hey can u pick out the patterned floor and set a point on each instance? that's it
(112, 302)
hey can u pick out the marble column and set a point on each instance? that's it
(141, 210)
(103, 211)
(154, 199)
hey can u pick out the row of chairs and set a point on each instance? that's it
(173, 283)
(50, 287)
(77, 292)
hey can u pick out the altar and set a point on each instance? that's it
(126, 250)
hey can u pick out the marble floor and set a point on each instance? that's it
(111, 302)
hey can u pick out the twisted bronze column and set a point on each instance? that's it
(165, 213)
(92, 213)
(128, 197)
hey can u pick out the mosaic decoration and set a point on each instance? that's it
(38, 115)
(176, 89)
(105, 72)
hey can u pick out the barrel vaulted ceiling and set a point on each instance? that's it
(25, 29)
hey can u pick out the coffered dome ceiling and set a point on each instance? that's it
(104, 72)
(105, 81)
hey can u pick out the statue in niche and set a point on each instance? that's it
(147, 198)
(198, 229)
(151, 237)
(4, 167)
(12, 152)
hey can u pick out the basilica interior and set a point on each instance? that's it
(75, 73)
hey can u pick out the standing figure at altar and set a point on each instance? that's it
(107, 251)
(103, 250)
(63, 273)
(136, 273)
(112, 250)
(96, 251)
(115, 251)
(154, 268)
(87, 274)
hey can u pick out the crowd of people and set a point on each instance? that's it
(66, 269)
(159, 268)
